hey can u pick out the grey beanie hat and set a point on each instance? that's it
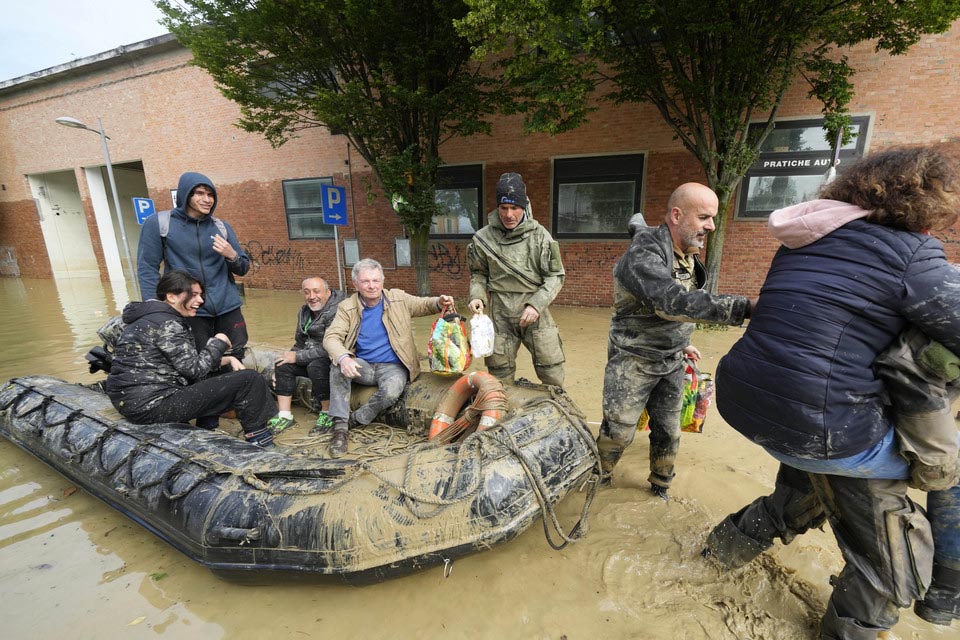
(511, 190)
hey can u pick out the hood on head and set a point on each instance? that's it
(190, 181)
(805, 223)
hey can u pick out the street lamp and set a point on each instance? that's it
(76, 124)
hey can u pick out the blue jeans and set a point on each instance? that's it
(390, 379)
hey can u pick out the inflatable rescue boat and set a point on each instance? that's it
(254, 515)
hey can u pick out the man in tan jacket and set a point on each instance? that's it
(370, 342)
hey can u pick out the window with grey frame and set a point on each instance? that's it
(793, 161)
(595, 197)
(304, 208)
(459, 194)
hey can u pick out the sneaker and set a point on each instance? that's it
(324, 423)
(338, 445)
(279, 424)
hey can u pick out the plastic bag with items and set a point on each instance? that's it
(448, 350)
(481, 335)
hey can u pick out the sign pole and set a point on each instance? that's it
(334, 203)
(336, 246)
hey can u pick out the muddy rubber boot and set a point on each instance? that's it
(833, 627)
(731, 547)
(941, 605)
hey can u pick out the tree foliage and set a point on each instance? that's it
(710, 67)
(394, 76)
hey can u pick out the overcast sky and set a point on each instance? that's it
(38, 34)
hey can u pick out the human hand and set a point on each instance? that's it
(692, 353)
(223, 336)
(349, 367)
(235, 365)
(224, 248)
(446, 301)
(476, 305)
(287, 357)
(528, 317)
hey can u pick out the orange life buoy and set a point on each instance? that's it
(462, 390)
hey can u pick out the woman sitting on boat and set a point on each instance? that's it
(159, 376)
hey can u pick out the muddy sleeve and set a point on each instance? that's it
(479, 273)
(931, 290)
(176, 343)
(552, 274)
(645, 272)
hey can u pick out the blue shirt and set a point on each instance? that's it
(373, 344)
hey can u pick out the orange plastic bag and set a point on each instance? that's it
(448, 350)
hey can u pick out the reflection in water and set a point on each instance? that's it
(72, 567)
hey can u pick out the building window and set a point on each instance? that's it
(595, 197)
(793, 161)
(301, 199)
(460, 196)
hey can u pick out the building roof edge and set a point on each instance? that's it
(96, 61)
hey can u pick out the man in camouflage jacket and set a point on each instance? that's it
(515, 265)
(658, 296)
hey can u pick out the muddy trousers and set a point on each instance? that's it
(542, 340)
(884, 537)
(390, 379)
(245, 391)
(318, 370)
(631, 383)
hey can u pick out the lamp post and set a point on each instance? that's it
(76, 124)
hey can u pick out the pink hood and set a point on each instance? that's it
(807, 222)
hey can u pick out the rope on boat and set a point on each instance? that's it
(471, 449)
(71, 452)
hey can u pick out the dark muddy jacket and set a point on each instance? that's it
(156, 356)
(189, 247)
(311, 326)
(653, 311)
(801, 380)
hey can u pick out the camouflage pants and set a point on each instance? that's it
(631, 383)
(542, 340)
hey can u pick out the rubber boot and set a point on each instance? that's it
(941, 604)
(833, 627)
(732, 547)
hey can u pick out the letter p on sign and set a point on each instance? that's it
(334, 202)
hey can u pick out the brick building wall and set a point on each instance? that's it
(168, 115)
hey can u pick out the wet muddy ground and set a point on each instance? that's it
(74, 568)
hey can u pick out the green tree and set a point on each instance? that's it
(710, 67)
(394, 76)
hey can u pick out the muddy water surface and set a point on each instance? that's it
(72, 567)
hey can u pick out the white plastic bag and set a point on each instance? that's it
(481, 335)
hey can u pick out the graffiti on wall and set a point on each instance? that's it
(446, 260)
(272, 256)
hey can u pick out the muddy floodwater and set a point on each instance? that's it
(72, 567)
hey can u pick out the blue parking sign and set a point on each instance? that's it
(144, 208)
(334, 202)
